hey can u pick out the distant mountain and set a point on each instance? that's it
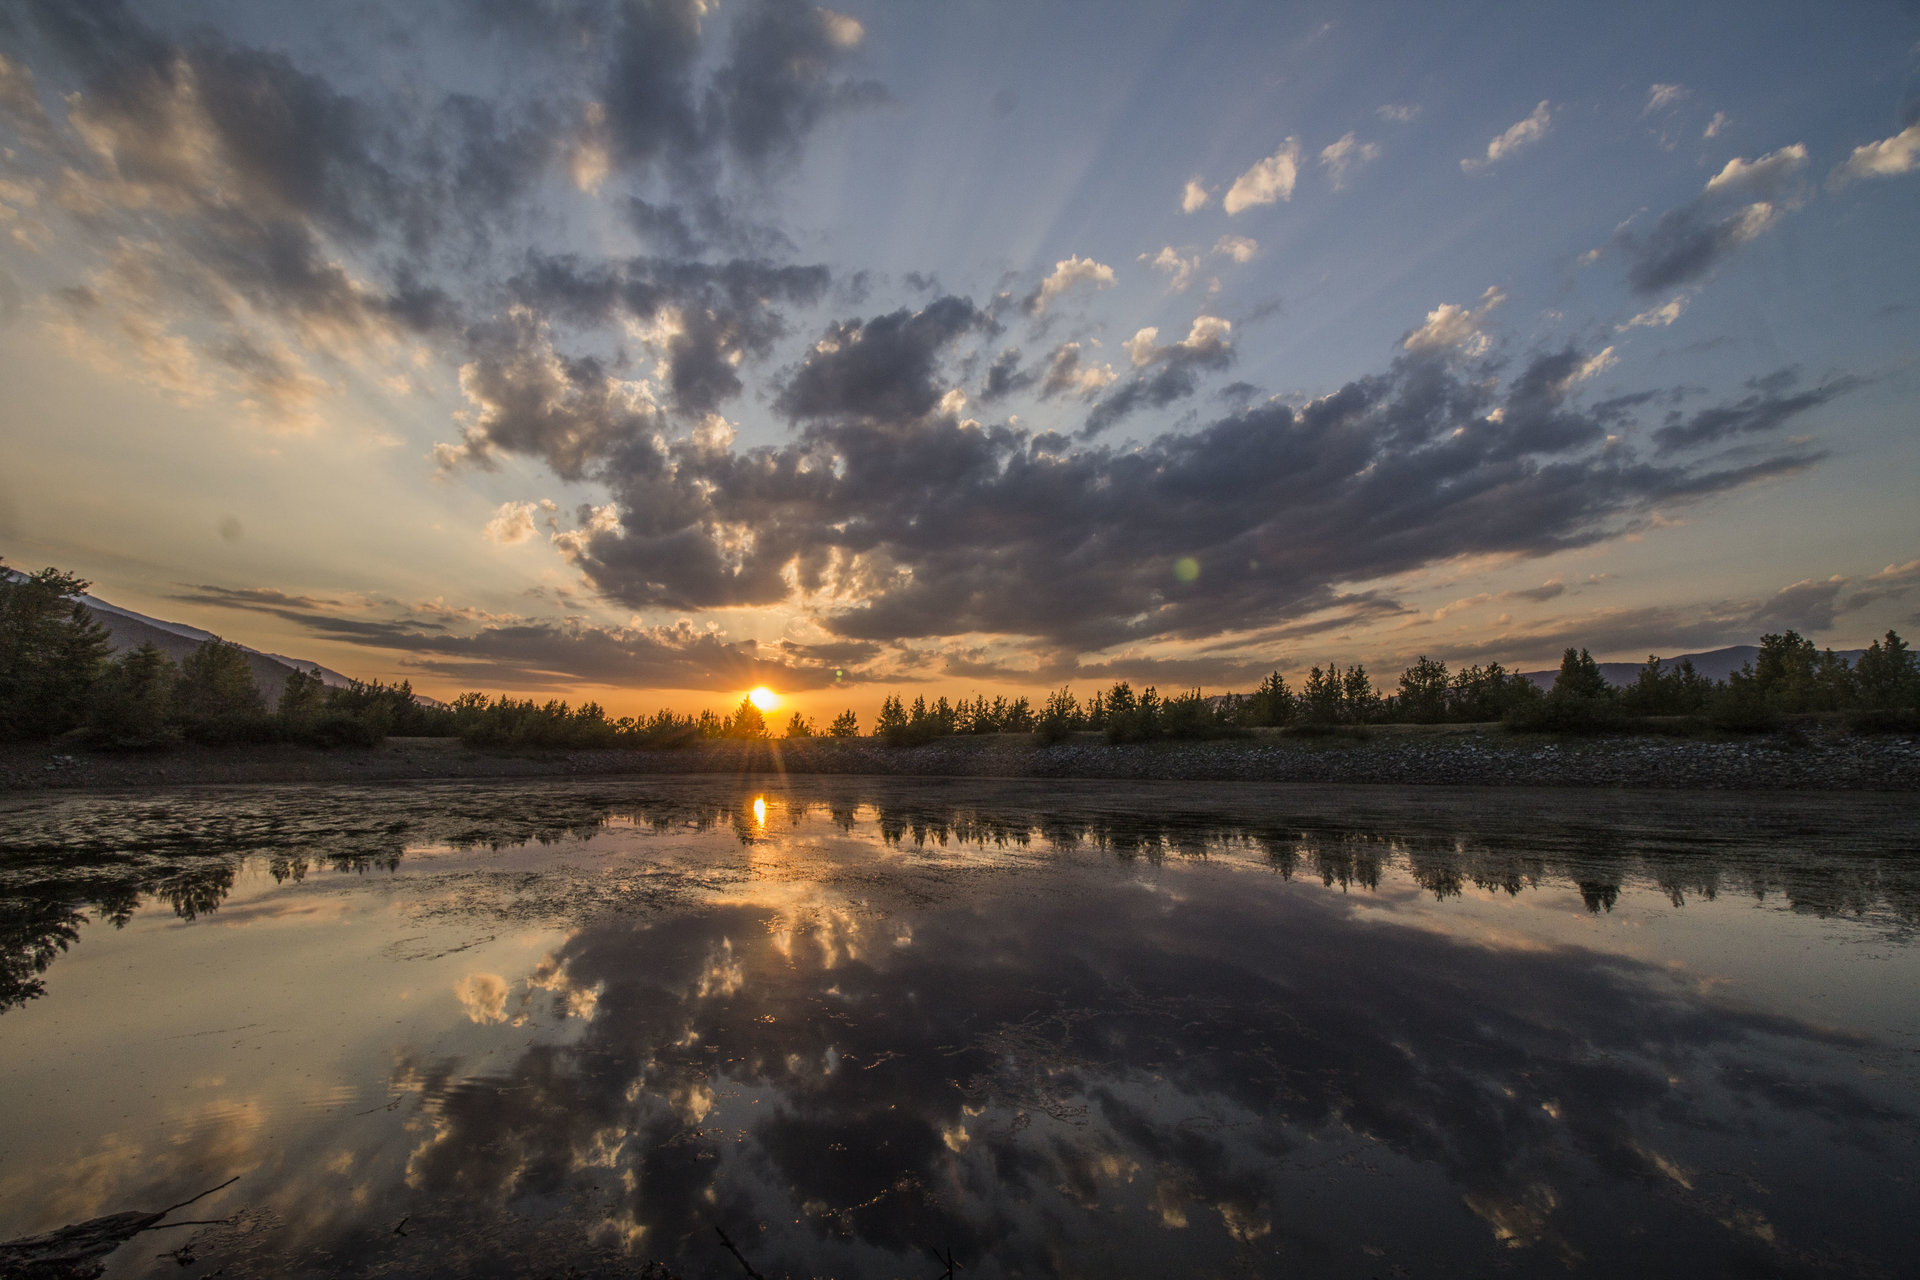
(129, 630)
(1715, 664)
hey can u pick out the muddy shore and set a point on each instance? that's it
(1473, 756)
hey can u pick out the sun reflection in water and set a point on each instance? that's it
(760, 811)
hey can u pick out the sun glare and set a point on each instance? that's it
(764, 698)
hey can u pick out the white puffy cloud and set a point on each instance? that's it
(1195, 196)
(1887, 158)
(1141, 346)
(1067, 374)
(1270, 180)
(1209, 335)
(1659, 317)
(1174, 263)
(1717, 125)
(1347, 153)
(1595, 365)
(1240, 248)
(843, 31)
(1068, 273)
(1662, 95)
(513, 523)
(1521, 134)
(1452, 326)
(1763, 174)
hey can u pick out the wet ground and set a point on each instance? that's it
(1043, 1028)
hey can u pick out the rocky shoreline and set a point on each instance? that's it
(1474, 756)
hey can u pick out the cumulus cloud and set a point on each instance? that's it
(890, 522)
(1178, 266)
(1765, 176)
(1450, 326)
(292, 215)
(1005, 376)
(886, 367)
(1166, 372)
(704, 320)
(525, 397)
(1068, 273)
(1242, 249)
(1068, 373)
(1521, 134)
(1690, 241)
(1661, 316)
(1888, 158)
(1266, 182)
(514, 524)
(780, 79)
(1194, 196)
(1687, 243)
(1595, 365)
(1347, 153)
(1660, 96)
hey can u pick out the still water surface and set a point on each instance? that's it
(1057, 1029)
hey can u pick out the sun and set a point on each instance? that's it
(764, 698)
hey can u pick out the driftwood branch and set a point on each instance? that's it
(739, 1257)
(79, 1251)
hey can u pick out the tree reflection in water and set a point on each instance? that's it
(1050, 1068)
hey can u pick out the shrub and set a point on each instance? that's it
(51, 650)
(1566, 712)
(1742, 705)
(130, 708)
(333, 729)
(218, 702)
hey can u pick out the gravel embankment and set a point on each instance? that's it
(1816, 762)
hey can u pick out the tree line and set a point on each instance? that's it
(56, 677)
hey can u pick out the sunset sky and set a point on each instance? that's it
(649, 351)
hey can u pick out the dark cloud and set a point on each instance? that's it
(531, 653)
(1005, 376)
(1771, 406)
(1168, 373)
(558, 25)
(721, 314)
(1069, 374)
(929, 526)
(885, 368)
(243, 171)
(780, 78)
(529, 399)
(664, 227)
(647, 109)
(1684, 245)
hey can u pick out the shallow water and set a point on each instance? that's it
(1056, 1029)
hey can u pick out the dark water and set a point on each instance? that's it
(1071, 1029)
